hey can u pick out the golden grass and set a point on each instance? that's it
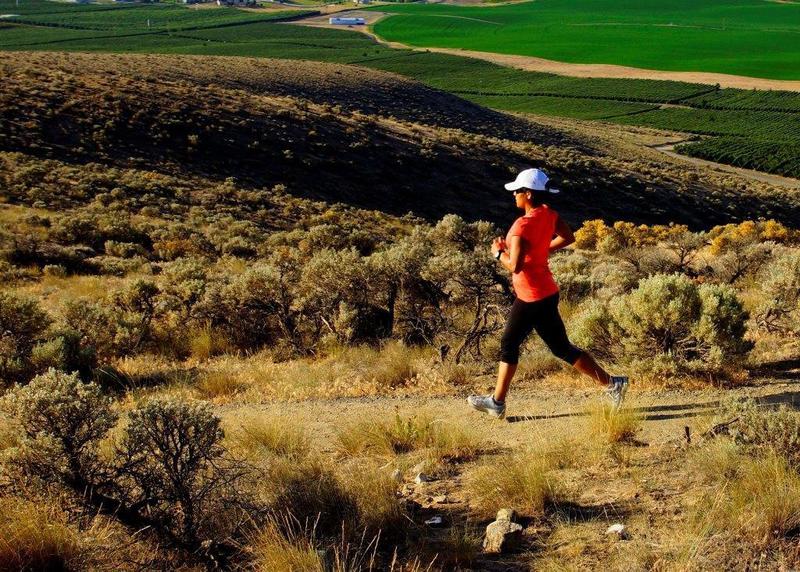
(521, 481)
(442, 441)
(610, 426)
(281, 547)
(357, 497)
(761, 503)
(719, 460)
(37, 536)
(206, 342)
(259, 435)
(374, 494)
(214, 385)
(343, 372)
(53, 291)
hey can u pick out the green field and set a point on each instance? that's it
(755, 38)
(758, 129)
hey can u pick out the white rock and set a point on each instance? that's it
(434, 521)
(618, 530)
(397, 475)
(507, 514)
(502, 536)
(422, 478)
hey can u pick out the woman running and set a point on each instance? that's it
(524, 253)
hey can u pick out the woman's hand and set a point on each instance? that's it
(498, 244)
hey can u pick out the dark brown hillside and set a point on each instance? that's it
(332, 133)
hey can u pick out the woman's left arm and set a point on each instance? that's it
(564, 236)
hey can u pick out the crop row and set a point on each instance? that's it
(782, 158)
(754, 100)
(137, 17)
(764, 125)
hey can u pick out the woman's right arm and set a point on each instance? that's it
(564, 236)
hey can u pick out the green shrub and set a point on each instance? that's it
(779, 308)
(253, 309)
(63, 420)
(572, 273)
(768, 430)
(64, 351)
(668, 323)
(22, 324)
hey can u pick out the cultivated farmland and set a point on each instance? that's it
(704, 109)
(739, 37)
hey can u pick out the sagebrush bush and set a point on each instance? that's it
(22, 324)
(779, 309)
(775, 430)
(253, 309)
(168, 454)
(572, 272)
(63, 419)
(668, 323)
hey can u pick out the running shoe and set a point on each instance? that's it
(616, 390)
(487, 404)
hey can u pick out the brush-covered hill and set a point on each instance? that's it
(326, 132)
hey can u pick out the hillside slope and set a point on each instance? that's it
(337, 134)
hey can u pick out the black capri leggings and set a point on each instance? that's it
(542, 316)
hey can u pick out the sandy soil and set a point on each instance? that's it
(535, 412)
(530, 63)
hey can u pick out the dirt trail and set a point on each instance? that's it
(777, 180)
(533, 413)
(530, 63)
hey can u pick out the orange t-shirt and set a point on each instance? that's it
(534, 281)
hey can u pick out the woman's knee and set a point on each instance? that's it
(567, 352)
(509, 348)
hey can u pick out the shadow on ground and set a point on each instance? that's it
(676, 411)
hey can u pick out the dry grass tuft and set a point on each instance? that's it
(214, 384)
(611, 426)
(719, 459)
(37, 537)
(206, 342)
(285, 545)
(519, 481)
(761, 503)
(442, 441)
(374, 494)
(258, 435)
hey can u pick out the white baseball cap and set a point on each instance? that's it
(532, 179)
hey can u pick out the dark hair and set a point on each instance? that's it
(537, 198)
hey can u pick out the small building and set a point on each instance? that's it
(340, 21)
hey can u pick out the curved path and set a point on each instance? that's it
(776, 180)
